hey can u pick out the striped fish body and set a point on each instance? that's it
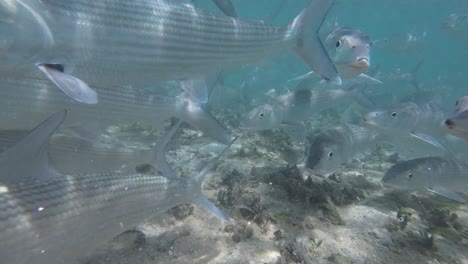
(29, 97)
(122, 42)
(63, 219)
(441, 175)
(118, 42)
(46, 217)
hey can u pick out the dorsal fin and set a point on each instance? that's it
(28, 158)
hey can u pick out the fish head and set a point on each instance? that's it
(349, 50)
(390, 119)
(24, 33)
(408, 175)
(457, 122)
(259, 118)
(324, 155)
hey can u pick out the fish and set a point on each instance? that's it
(350, 51)
(28, 98)
(48, 217)
(297, 106)
(456, 24)
(338, 145)
(439, 175)
(409, 120)
(457, 123)
(72, 154)
(84, 43)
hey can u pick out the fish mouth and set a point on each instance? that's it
(369, 123)
(361, 63)
(449, 124)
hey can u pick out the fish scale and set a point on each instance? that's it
(81, 198)
(28, 98)
(50, 218)
(117, 42)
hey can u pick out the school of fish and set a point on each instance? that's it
(70, 69)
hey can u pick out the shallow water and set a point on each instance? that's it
(281, 212)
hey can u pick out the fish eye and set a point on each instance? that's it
(456, 103)
(330, 154)
(338, 43)
(394, 114)
(410, 175)
(261, 114)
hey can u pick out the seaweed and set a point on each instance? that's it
(240, 232)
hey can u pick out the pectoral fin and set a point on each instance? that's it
(70, 85)
(428, 139)
(448, 194)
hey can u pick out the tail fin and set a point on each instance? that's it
(29, 158)
(196, 116)
(160, 162)
(309, 46)
(197, 181)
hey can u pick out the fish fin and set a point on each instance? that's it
(204, 202)
(302, 77)
(29, 158)
(160, 162)
(428, 139)
(70, 85)
(197, 88)
(448, 194)
(364, 78)
(196, 116)
(309, 46)
(295, 131)
(226, 7)
(197, 181)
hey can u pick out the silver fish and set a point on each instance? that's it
(73, 154)
(442, 176)
(457, 123)
(409, 119)
(116, 42)
(338, 145)
(296, 106)
(51, 218)
(29, 97)
(349, 49)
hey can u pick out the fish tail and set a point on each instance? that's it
(192, 112)
(160, 161)
(197, 181)
(309, 46)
